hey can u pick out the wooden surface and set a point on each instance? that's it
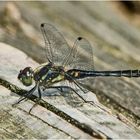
(116, 46)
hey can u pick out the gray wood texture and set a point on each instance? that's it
(116, 46)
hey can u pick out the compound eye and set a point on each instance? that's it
(20, 78)
(30, 69)
(28, 74)
(20, 71)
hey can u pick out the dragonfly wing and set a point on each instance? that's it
(55, 44)
(81, 55)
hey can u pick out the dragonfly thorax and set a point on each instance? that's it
(49, 74)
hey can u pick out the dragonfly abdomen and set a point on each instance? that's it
(78, 74)
(119, 73)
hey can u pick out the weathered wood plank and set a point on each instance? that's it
(114, 40)
(115, 44)
(40, 120)
(17, 123)
(88, 115)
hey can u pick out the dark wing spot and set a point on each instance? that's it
(80, 38)
(42, 25)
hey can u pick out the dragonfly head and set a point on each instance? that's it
(26, 76)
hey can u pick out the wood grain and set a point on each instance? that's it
(116, 46)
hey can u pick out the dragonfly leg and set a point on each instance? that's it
(60, 88)
(76, 93)
(37, 100)
(26, 96)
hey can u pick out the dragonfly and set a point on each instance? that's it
(65, 63)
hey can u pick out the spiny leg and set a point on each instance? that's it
(60, 88)
(91, 102)
(26, 95)
(75, 92)
(38, 99)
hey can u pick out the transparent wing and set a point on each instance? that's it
(56, 46)
(81, 55)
